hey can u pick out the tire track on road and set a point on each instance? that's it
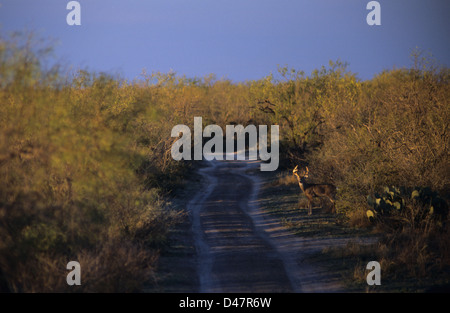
(233, 256)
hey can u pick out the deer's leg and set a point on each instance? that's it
(298, 203)
(310, 205)
(333, 209)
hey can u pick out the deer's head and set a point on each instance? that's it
(300, 173)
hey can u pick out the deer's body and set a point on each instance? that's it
(314, 190)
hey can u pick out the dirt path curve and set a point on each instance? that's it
(239, 247)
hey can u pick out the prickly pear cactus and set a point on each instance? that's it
(432, 203)
(388, 203)
(392, 201)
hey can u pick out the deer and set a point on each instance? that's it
(314, 190)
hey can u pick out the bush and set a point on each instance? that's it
(72, 180)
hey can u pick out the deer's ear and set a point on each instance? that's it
(307, 170)
(295, 167)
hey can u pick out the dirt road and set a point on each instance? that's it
(242, 249)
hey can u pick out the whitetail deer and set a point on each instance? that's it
(314, 190)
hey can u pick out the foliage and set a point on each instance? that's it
(71, 162)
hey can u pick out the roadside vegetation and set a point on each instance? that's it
(86, 170)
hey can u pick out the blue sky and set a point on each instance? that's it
(235, 39)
